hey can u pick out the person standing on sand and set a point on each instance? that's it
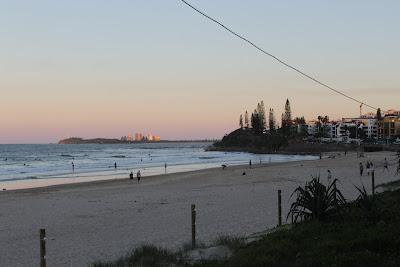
(250, 164)
(329, 177)
(165, 167)
(115, 165)
(138, 176)
(73, 167)
(361, 169)
(386, 165)
(131, 176)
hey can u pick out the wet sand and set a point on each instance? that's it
(105, 219)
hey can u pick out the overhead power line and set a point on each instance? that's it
(276, 58)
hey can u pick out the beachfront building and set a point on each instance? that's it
(389, 127)
(392, 112)
(344, 129)
(330, 129)
(312, 128)
(368, 123)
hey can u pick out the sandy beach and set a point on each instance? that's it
(105, 219)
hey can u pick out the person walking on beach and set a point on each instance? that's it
(138, 176)
(386, 165)
(250, 164)
(165, 167)
(73, 166)
(361, 169)
(329, 177)
(115, 165)
(131, 176)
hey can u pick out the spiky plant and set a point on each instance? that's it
(367, 204)
(315, 200)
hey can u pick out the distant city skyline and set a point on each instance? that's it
(95, 68)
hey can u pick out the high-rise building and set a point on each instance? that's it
(138, 137)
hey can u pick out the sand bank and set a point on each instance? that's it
(105, 219)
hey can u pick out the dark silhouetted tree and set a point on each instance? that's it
(379, 114)
(241, 121)
(246, 119)
(287, 115)
(271, 121)
(261, 113)
(299, 120)
(256, 122)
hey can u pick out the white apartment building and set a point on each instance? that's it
(368, 123)
(312, 128)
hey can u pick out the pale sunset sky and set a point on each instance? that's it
(110, 68)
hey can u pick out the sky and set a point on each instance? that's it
(110, 68)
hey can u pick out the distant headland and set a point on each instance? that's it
(78, 140)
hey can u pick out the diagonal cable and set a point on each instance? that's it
(276, 58)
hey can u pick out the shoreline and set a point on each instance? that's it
(260, 151)
(71, 183)
(123, 173)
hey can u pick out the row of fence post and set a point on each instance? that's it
(193, 213)
(42, 232)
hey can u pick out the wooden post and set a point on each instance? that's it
(373, 182)
(193, 226)
(42, 248)
(279, 207)
(335, 198)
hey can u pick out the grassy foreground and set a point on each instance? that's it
(364, 233)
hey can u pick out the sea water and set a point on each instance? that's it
(97, 161)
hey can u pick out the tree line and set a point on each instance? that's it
(259, 122)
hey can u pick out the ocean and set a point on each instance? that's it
(52, 163)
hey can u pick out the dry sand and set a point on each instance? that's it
(103, 220)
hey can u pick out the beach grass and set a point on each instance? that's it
(352, 239)
(145, 255)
